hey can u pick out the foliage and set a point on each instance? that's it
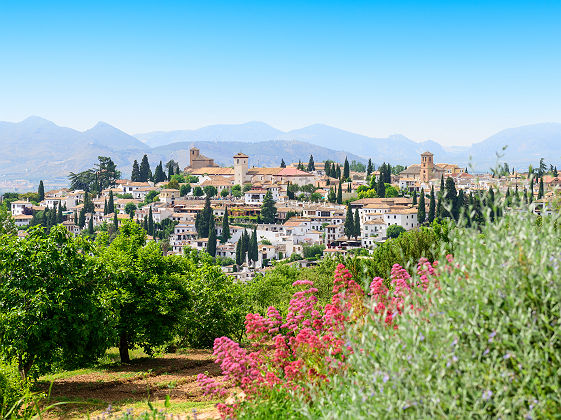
(130, 209)
(393, 231)
(146, 291)
(210, 191)
(7, 224)
(313, 251)
(52, 313)
(104, 174)
(214, 302)
(268, 209)
(12, 387)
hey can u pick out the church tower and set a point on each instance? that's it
(240, 168)
(427, 166)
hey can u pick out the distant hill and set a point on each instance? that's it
(36, 148)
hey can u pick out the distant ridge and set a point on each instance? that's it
(36, 148)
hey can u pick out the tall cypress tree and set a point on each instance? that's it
(340, 194)
(82, 218)
(52, 216)
(268, 209)
(356, 232)
(414, 197)
(311, 164)
(150, 222)
(346, 170)
(111, 203)
(380, 186)
(159, 175)
(41, 191)
(239, 258)
(349, 228)
(75, 217)
(442, 184)
(211, 245)
(135, 175)
(115, 220)
(451, 199)
(541, 191)
(331, 197)
(145, 172)
(225, 227)
(59, 217)
(202, 223)
(369, 169)
(105, 207)
(338, 172)
(421, 208)
(253, 247)
(432, 206)
(90, 225)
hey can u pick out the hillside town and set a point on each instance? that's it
(262, 214)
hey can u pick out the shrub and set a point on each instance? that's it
(12, 387)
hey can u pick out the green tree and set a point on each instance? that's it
(91, 225)
(81, 218)
(414, 197)
(224, 193)
(268, 209)
(541, 190)
(211, 245)
(369, 169)
(239, 256)
(339, 194)
(135, 175)
(52, 311)
(394, 231)
(311, 164)
(106, 172)
(7, 224)
(198, 191)
(421, 210)
(130, 209)
(253, 253)
(346, 170)
(206, 218)
(145, 172)
(210, 191)
(356, 232)
(184, 190)
(349, 228)
(225, 226)
(380, 186)
(41, 191)
(432, 206)
(150, 222)
(105, 207)
(59, 216)
(159, 174)
(145, 290)
(111, 203)
(115, 221)
(331, 197)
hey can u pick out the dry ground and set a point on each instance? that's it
(91, 391)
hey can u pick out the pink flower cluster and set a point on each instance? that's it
(308, 345)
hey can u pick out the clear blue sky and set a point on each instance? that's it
(450, 71)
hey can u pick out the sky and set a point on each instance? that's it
(452, 71)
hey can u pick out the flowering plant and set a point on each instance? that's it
(309, 345)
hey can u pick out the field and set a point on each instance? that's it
(91, 391)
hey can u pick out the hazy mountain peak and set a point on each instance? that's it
(38, 121)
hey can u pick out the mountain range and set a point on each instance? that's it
(36, 148)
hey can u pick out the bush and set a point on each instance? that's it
(491, 348)
(12, 387)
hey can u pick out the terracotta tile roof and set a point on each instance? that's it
(292, 172)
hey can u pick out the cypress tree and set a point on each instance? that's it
(331, 197)
(253, 247)
(268, 209)
(531, 192)
(211, 245)
(59, 217)
(421, 210)
(356, 233)
(170, 172)
(311, 164)
(338, 172)
(145, 223)
(282, 165)
(82, 218)
(451, 199)
(41, 191)
(105, 207)
(159, 175)
(380, 186)
(340, 194)
(442, 184)
(75, 217)
(90, 225)
(204, 219)
(225, 227)
(111, 203)
(150, 222)
(239, 259)
(541, 191)
(349, 228)
(115, 220)
(414, 197)
(525, 196)
(52, 216)
(432, 206)
(145, 172)
(135, 176)
(369, 169)
(346, 170)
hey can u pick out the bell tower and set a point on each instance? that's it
(427, 166)
(240, 168)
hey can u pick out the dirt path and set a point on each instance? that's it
(143, 380)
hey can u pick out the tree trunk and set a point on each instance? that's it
(124, 348)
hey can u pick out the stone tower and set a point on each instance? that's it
(427, 166)
(240, 168)
(193, 155)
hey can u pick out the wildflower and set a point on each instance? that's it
(487, 395)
